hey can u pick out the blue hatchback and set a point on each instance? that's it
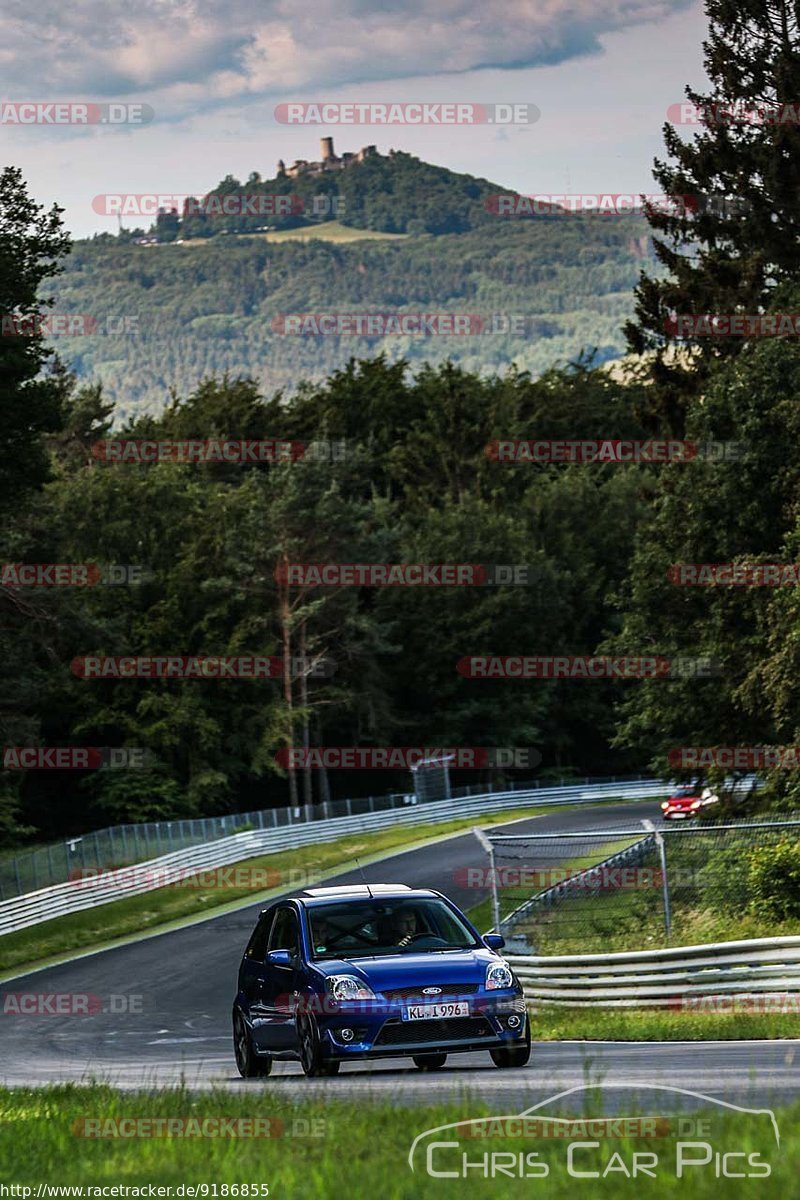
(345, 973)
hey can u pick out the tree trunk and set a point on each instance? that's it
(308, 794)
(286, 638)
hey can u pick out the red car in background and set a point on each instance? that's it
(688, 802)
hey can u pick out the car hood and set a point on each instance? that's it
(408, 970)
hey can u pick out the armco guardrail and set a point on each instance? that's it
(682, 977)
(79, 894)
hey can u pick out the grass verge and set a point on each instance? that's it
(556, 1024)
(361, 1148)
(168, 906)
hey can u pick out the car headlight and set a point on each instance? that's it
(498, 975)
(696, 804)
(348, 987)
(665, 804)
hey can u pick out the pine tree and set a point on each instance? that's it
(32, 242)
(726, 249)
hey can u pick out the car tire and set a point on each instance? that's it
(311, 1060)
(513, 1056)
(429, 1062)
(249, 1064)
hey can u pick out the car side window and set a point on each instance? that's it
(257, 946)
(285, 932)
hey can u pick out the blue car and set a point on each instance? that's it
(339, 974)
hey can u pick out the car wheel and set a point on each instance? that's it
(311, 1060)
(250, 1065)
(513, 1056)
(429, 1062)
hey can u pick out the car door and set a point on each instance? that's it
(253, 978)
(282, 981)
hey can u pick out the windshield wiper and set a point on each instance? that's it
(433, 949)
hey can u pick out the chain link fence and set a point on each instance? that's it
(637, 887)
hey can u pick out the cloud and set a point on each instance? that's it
(184, 55)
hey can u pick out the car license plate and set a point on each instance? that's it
(678, 816)
(427, 1012)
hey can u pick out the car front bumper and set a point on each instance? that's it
(380, 1028)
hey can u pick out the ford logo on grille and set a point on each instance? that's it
(431, 991)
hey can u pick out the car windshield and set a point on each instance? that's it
(378, 927)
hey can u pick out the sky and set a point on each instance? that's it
(212, 75)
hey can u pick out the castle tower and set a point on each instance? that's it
(281, 169)
(326, 148)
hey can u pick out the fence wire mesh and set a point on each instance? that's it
(636, 887)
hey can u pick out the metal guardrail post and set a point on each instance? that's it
(489, 848)
(662, 854)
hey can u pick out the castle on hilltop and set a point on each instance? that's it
(330, 161)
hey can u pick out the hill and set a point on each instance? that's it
(545, 288)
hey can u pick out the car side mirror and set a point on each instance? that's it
(280, 958)
(495, 941)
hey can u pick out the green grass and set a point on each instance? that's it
(165, 907)
(326, 231)
(332, 231)
(362, 1148)
(556, 1024)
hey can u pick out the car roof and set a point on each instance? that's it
(362, 891)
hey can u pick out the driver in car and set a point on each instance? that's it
(323, 932)
(404, 925)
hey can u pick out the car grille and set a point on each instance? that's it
(403, 1033)
(448, 992)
